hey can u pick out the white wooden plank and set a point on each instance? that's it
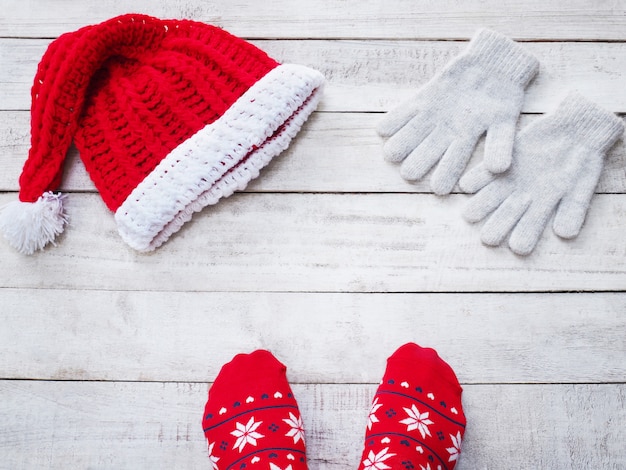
(334, 152)
(185, 337)
(324, 242)
(67, 425)
(531, 19)
(377, 75)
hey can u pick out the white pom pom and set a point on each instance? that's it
(29, 226)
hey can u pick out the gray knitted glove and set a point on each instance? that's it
(557, 161)
(480, 90)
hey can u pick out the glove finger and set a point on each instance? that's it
(572, 210)
(486, 201)
(528, 230)
(475, 179)
(499, 146)
(408, 138)
(424, 157)
(398, 117)
(504, 219)
(452, 165)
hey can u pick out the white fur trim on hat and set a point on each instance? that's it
(221, 157)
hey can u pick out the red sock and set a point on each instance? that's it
(416, 420)
(251, 419)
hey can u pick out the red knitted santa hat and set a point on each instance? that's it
(169, 116)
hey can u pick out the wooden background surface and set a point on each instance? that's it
(106, 355)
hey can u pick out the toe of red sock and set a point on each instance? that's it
(425, 365)
(246, 374)
(251, 417)
(416, 419)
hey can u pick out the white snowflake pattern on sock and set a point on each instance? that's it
(417, 420)
(212, 459)
(246, 434)
(455, 450)
(376, 461)
(371, 419)
(297, 428)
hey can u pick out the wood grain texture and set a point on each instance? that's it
(334, 153)
(329, 259)
(531, 19)
(324, 242)
(377, 75)
(112, 335)
(98, 425)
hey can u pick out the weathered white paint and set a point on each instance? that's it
(377, 75)
(134, 339)
(324, 242)
(334, 152)
(530, 19)
(103, 425)
(187, 336)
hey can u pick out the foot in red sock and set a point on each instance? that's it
(416, 420)
(251, 419)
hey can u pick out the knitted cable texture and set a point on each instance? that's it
(168, 116)
(139, 110)
(59, 92)
(214, 162)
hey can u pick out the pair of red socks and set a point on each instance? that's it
(416, 420)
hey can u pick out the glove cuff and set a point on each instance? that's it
(499, 55)
(590, 124)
